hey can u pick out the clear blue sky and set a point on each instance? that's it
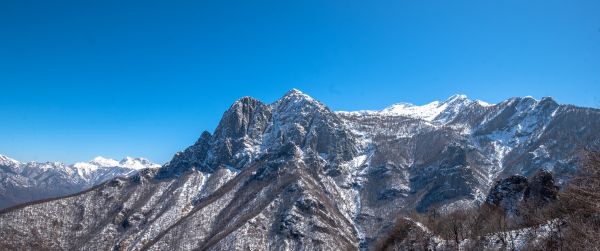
(145, 78)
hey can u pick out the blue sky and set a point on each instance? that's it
(145, 78)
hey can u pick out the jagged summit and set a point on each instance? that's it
(246, 100)
(295, 97)
(294, 91)
(251, 128)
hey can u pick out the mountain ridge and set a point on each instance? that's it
(30, 181)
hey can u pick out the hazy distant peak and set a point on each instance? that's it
(137, 163)
(5, 160)
(104, 162)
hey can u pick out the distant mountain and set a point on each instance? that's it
(295, 175)
(25, 182)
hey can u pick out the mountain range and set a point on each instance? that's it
(295, 175)
(31, 181)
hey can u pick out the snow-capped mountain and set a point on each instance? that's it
(295, 175)
(435, 111)
(127, 162)
(25, 182)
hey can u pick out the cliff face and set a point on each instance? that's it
(514, 191)
(294, 174)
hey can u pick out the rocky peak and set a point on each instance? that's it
(296, 102)
(548, 104)
(456, 103)
(246, 117)
(548, 100)
(296, 94)
(307, 123)
(508, 192)
(250, 128)
(452, 108)
(511, 192)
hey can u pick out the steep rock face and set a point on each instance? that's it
(511, 192)
(305, 122)
(233, 144)
(542, 188)
(508, 192)
(295, 175)
(239, 132)
(26, 182)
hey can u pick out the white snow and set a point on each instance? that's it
(127, 162)
(6, 161)
(426, 112)
(483, 103)
(104, 162)
(85, 166)
(137, 163)
(436, 111)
